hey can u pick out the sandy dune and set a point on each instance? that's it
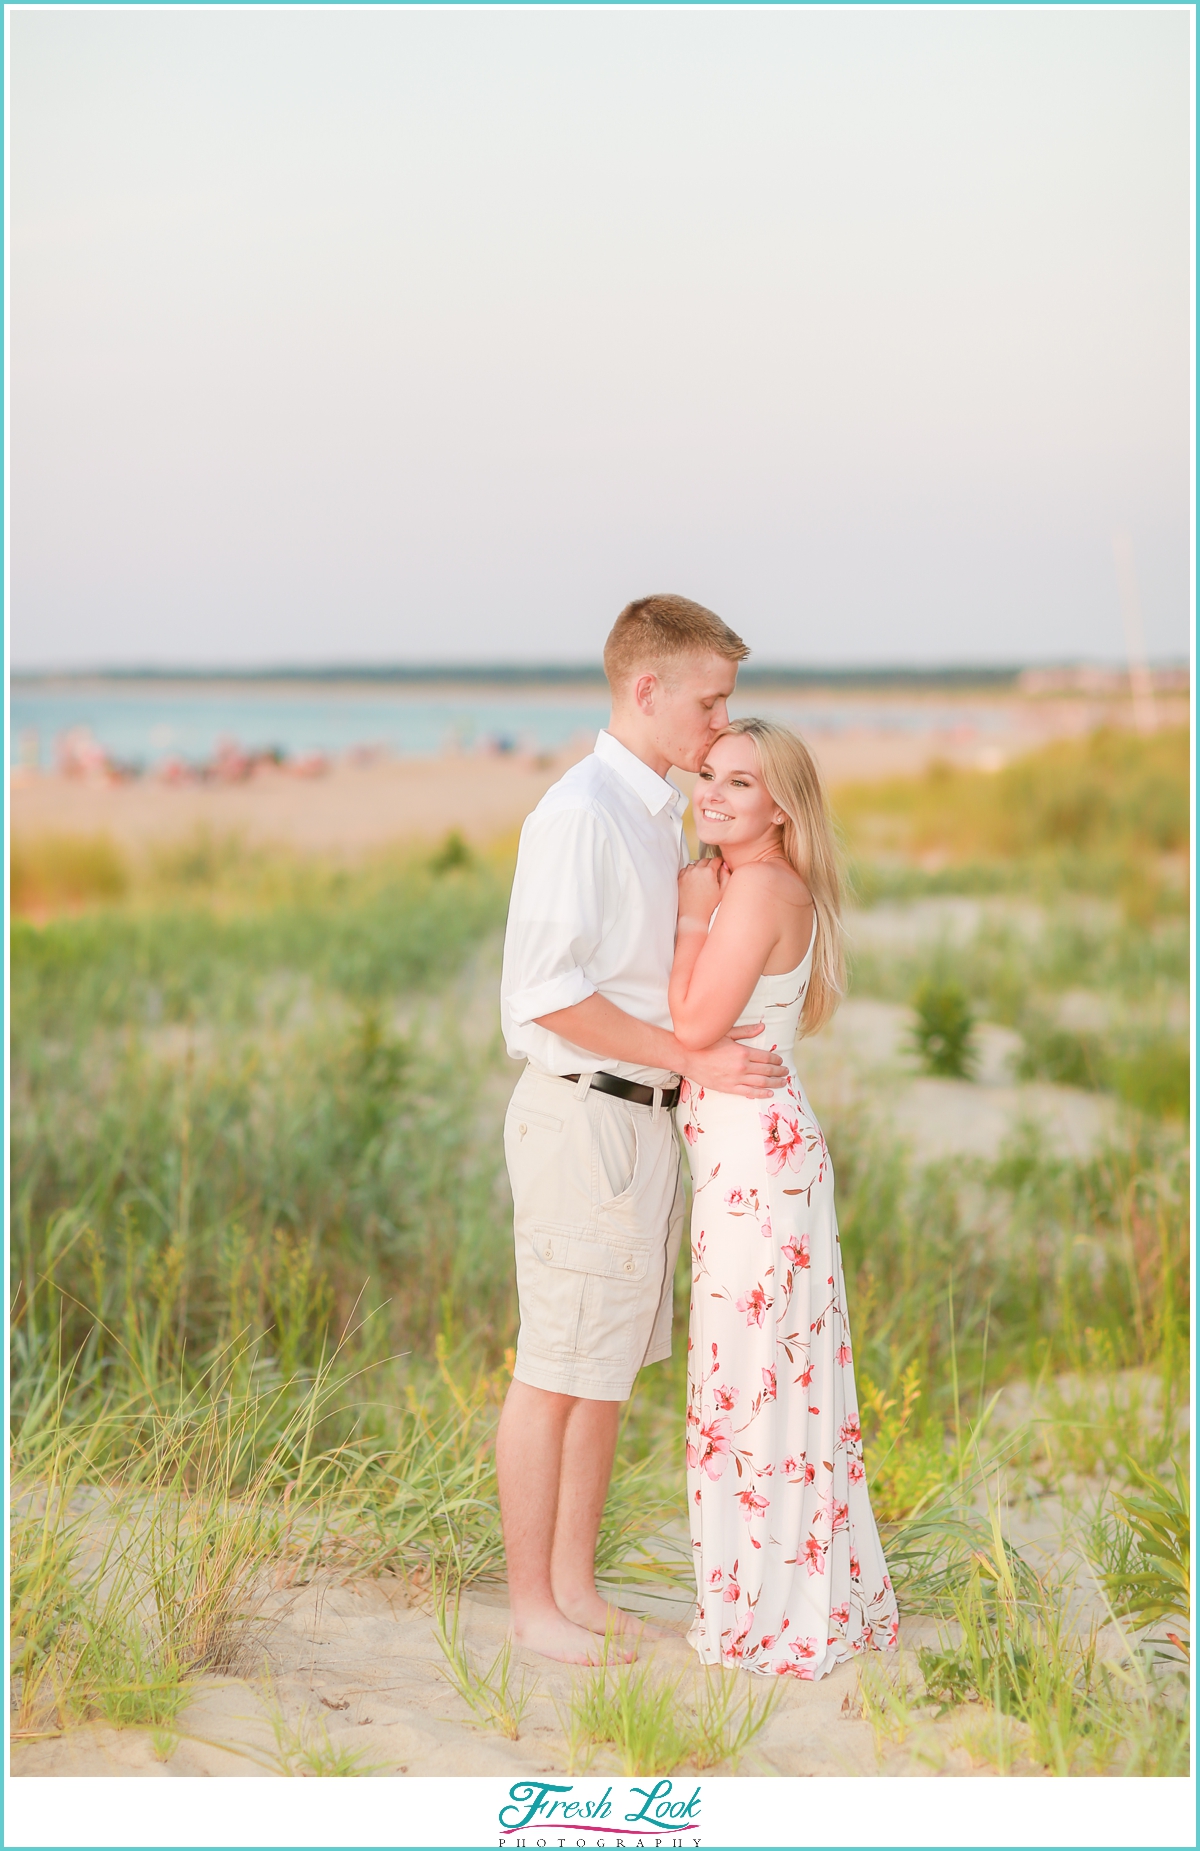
(350, 1665)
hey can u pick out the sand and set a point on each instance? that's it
(350, 1665)
(354, 808)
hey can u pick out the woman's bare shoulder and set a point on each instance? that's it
(776, 880)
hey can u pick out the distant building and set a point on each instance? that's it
(1091, 678)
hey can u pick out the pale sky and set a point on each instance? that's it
(351, 336)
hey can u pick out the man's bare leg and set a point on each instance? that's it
(529, 1452)
(589, 1445)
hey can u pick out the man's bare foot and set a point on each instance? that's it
(600, 1616)
(552, 1635)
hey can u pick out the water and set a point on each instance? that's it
(142, 724)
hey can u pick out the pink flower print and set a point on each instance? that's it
(685, 1091)
(767, 1641)
(804, 1379)
(751, 1502)
(795, 1251)
(843, 1355)
(711, 1452)
(768, 1376)
(764, 1227)
(850, 1433)
(789, 1464)
(841, 1518)
(855, 1567)
(732, 1590)
(781, 1140)
(814, 1557)
(742, 1201)
(841, 1615)
(691, 1131)
(810, 1473)
(804, 1648)
(725, 1397)
(856, 1472)
(755, 1304)
(715, 1577)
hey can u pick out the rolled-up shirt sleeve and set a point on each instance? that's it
(555, 916)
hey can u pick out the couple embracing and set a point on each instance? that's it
(648, 994)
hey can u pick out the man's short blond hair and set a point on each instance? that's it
(652, 632)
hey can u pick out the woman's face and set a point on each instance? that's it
(730, 802)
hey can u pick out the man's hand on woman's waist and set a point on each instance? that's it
(731, 1067)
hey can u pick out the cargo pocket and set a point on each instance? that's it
(599, 1284)
(575, 1253)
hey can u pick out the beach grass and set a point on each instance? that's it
(263, 1310)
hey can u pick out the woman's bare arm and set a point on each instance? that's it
(598, 1025)
(715, 971)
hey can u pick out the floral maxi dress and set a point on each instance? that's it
(790, 1573)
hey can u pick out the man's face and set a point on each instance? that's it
(690, 707)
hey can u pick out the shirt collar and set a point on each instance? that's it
(655, 792)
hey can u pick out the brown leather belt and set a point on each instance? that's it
(629, 1089)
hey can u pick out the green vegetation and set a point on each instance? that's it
(1147, 1545)
(944, 1029)
(656, 1724)
(262, 1292)
(1101, 815)
(307, 1750)
(56, 871)
(494, 1696)
(1073, 864)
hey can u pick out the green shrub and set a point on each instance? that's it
(943, 1033)
(453, 854)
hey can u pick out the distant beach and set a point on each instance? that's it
(346, 766)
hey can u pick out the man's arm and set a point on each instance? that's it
(728, 1067)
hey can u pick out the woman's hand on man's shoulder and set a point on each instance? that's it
(701, 885)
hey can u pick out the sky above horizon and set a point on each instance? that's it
(368, 336)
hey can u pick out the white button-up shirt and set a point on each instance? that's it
(594, 907)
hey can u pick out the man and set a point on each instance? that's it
(589, 1135)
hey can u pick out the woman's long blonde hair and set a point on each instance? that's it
(790, 774)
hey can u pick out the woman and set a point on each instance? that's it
(790, 1574)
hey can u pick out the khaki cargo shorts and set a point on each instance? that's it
(598, 1216)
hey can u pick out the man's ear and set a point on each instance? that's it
(644, 690)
